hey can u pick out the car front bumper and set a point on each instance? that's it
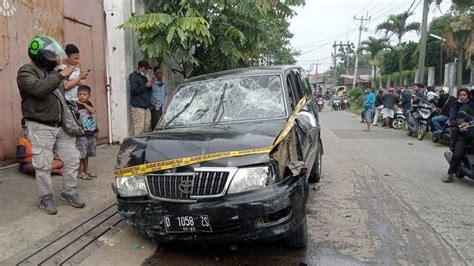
(261, 215)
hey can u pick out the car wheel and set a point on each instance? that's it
(299, 237)
(315, 174)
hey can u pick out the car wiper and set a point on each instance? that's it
(219, 106)
(186, 106)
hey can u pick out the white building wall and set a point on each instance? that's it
(120, 63)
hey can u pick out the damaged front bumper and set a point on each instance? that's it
(266, 214)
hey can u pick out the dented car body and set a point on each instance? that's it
(249, 197)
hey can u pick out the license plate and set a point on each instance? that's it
(187, 223)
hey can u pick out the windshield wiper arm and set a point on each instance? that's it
(186, 106)
(220, 105)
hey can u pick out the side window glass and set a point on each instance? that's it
(291, 91)
(299, 84)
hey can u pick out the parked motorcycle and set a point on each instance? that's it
(418, 120)
(320, 103)
(399, 120)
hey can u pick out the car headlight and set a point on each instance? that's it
(247, 179)
(131, 186)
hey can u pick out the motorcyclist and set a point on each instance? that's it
(345, 97)
(335, 98)
(443, 106)
(463, 131)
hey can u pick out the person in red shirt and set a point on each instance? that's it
(24, 153)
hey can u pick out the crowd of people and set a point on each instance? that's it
(453, 114)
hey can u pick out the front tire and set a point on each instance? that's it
(299, 237)
(315, 175)
(421, 131)
(398, 123)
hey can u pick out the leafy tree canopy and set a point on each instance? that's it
(206, 36)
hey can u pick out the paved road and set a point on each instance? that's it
(380, 201)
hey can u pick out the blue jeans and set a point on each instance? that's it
(438, 122)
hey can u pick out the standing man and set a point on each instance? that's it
(158, 96)
(40, 105)
(369, 102)
(140, 95)
(388, 111)
(405, 99)
(378, 107)
(77, 77)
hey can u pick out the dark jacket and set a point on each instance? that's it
(140, 94)
(456, 107)
(38, 103)
(406, 100)
(389, 100)
(444, 103)
(379, 100)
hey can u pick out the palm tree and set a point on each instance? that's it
(374, 46)
(397, 25)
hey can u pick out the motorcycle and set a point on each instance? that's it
(320, 103)
(345, 104)
(399, 120)
(335, 105)
(418, 120)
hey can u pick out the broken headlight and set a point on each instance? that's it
(253, 178)
(131, 186)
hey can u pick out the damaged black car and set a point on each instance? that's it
(230, 161)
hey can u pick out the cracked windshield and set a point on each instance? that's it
(227, 100)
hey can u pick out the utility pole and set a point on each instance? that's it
(361, 28)
(424, 31)
(334, 63)
(344, 48)
(317, 64)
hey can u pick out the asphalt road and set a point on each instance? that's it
(380, 201)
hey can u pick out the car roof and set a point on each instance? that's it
(244, 71)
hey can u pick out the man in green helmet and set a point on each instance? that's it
(42, 108)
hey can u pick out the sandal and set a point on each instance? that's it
(84, 176)
(91, 175)
(448, 178)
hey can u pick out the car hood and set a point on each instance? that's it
(177, 143)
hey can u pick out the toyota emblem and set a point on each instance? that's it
(185, 185)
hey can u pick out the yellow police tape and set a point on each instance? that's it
(173, 163)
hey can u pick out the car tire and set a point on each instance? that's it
(299, 237)
(315, 174)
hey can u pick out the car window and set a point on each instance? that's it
(226, 100)
(300, 87)
(292, 90)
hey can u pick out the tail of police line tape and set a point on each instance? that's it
(173, 163)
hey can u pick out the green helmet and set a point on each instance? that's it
(45, 51)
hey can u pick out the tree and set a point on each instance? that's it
(460, 35)
(212, 35)
(374, 46)
(397, 25)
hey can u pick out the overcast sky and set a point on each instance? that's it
(320, 22)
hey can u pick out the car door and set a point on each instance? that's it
(307, 126)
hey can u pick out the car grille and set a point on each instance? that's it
(182, 186)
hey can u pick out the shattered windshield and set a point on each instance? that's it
(227, 100)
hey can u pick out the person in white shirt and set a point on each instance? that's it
(77, 77)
